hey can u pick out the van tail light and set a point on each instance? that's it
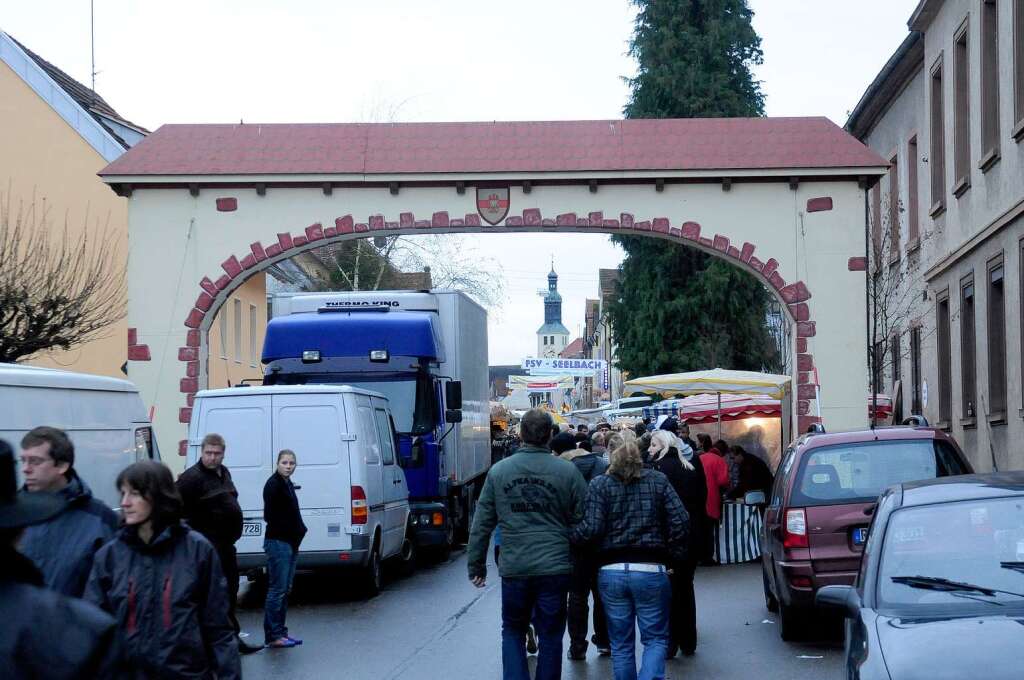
(794, 531)
(359, 509)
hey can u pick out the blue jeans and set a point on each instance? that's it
(280, 572)
(631, 598)
(542, 599)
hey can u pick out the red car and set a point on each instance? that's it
(816, 520)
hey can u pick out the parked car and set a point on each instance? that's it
(940, 592)
(352, 493)
(104, 417)
(816, 521)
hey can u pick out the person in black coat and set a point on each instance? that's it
(686, 474)
(44, 634)
(754, 474)
(163, 583)
(285, 531)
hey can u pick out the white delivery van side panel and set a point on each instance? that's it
(367, 468)
(101, 423)
(245, 423)
(313, 425)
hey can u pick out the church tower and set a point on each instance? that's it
(552, 337)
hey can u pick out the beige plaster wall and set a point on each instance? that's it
(235, 356)
(42, 159)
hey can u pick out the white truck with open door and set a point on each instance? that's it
(352, 493)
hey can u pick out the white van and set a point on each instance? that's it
(104, 417)
(352, 493)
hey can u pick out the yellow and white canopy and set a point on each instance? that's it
(710, 382)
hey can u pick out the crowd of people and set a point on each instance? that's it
(620, 515)
(150, 595)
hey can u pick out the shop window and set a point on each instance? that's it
(915, 370)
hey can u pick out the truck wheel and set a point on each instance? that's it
(407, 556)
(372, 575)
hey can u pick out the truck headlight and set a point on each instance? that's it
(425, 519)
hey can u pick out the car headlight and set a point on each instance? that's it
(424, 519)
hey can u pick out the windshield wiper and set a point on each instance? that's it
(947, 586)
(1016, 566)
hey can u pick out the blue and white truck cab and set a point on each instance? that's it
(427, 353)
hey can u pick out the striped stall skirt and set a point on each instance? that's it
(737, 537)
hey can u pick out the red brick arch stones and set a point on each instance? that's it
(236, 270)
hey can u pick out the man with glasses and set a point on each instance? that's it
(63, 546)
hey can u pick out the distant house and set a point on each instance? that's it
(56, 134)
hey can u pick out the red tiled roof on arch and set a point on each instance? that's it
(702, 144)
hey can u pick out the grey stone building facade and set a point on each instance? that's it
(947, 223)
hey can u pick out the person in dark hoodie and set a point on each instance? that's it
(163, 583)
(62, 547)
(45, 634)
(584, 577)
(686, 475)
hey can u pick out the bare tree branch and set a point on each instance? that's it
(55, 292)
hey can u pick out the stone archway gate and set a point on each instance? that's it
(211, 205)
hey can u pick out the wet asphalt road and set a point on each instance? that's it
(433, 625)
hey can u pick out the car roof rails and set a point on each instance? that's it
(916, 421)
(815, 428)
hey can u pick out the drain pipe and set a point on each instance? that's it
(867, 306)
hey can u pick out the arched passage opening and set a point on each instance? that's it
(236, 268)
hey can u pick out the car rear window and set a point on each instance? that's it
(858, 473)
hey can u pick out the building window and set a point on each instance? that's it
(913, 228)
(996, 341)
(253, 336)
(894, 209)
(876, 221)
(545, 340)
(222, 326)
(1018, 69)
(937, 155)
(915, 370)
(961, 113)
(238, 331)
(989, 83)
(945, 358)
(968, 379)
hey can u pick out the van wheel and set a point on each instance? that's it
(770, 602)
(790, 623)
(372, 574)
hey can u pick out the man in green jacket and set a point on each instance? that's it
(536, 499)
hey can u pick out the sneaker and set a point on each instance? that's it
(604, 650)
(281, 643)
(531, 641)
(297, 641)
(574, 655)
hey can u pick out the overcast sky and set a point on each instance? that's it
(221, 61)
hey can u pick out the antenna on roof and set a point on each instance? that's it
(92, 45)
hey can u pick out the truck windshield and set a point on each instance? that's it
(410, 407)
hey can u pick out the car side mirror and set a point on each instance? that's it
(453, 415)
(453, 395)
(841, 598)
(754, 498)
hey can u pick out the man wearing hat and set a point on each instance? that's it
(52, 635)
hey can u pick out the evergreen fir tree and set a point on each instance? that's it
(680, 309)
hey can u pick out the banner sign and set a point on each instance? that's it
(541, 384)
(584, 367)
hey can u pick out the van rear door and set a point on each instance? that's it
(244, 422)
(312, 425)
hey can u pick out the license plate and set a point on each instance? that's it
(252, 528)
(860, 536)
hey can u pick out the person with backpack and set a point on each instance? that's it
(584, 575)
